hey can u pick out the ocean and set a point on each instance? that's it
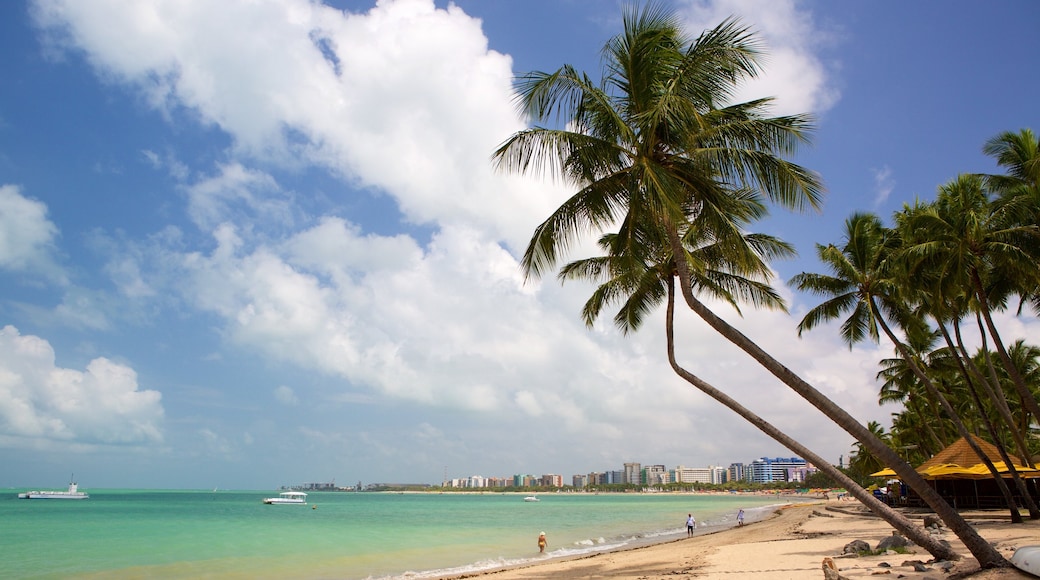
(231, 534)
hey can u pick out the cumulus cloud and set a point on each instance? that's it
(27, 237)
(405, 98)
(44, 405)
(407, 101)
(793, 71)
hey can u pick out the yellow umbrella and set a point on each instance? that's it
(886, 472)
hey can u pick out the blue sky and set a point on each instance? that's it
(249, 244)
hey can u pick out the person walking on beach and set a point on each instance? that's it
(542, 542)
(691, 524)
(740, 517)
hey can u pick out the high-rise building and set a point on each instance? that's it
(633, 474)
(655, 475)
(736, 472)
(770, 469)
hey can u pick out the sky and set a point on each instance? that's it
(247, 244)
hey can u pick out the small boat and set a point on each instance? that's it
(290, 497)
(1027, 559)
(532, 498)
(72, 493)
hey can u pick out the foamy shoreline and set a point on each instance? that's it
(789, 544)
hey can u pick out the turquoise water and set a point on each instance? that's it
(229, 534)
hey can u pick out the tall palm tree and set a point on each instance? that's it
(653, 143)
(1019, 190)
(964, 239)
(863, 282)
(640, 281)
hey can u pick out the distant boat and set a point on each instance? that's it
(72, 493)
(532, 498)
(288, 497)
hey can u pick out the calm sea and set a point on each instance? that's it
(231, 534)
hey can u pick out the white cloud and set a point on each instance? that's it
(884, 184)
(241, 194)
(46, 406)
(793, 72)
(27, 237)
(412, 105)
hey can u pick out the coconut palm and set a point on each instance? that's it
(1019, 191)
(963, 237)
(654, 143)
(899, 384)
(641, 281)
(864, 282)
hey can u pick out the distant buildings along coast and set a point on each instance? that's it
(762, 470)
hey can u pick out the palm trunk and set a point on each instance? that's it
(996, 392)
(1028, 400)
(987, 555)
(916, 534)
(955, 417)
(969, 370)
(915, 407)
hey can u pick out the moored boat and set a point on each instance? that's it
(287, 497)
(72, 493)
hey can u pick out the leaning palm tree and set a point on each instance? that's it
(655, 143)
(967, 242)
(863, 282)
(641, 276)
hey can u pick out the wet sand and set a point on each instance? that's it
(790, 545)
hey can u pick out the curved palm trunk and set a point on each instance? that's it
(987, 555)
(916, 534)
(1028, 400)
(968, 370)
(1009, 499)
(911, 401)
(996, 393)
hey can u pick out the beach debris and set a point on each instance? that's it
(892, 542)
(820, 514)
(917, 565)
(856, 547)
(830, 571)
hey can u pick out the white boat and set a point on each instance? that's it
(72, 493)
(532, 498)
(1027, 559)
(292, 497)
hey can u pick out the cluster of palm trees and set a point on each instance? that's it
(938, 276)
(671, 175)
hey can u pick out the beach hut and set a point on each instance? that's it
(959, 475)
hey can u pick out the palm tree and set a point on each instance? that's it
(1019, 191)
(968, 243)
(863, 282)
(900, 385)
(641, 281)
(653, 144)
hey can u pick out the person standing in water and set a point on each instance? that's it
(691, 524)
(542, 542)
(740, 517)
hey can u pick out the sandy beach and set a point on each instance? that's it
(791, 544)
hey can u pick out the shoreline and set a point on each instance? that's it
(791, 543)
